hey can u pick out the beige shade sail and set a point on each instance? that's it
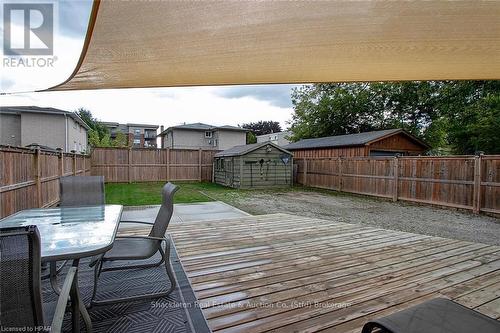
(183, 43)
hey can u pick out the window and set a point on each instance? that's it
(137, 132)
(208, 134)
(222, 164)
(137, 141)
(215, 142)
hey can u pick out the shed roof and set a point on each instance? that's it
(358, 139)
(37, 109)
(245, 149)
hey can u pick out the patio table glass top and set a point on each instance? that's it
(70, 232)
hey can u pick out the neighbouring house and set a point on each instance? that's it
(377, 143)
(258, 165)
(203, 136)
(138, 135)
(23, 126)
(279, 138)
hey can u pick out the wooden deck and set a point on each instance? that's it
(285, 273)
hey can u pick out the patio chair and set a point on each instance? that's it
(128, 248)
(439, 315)
(82, 191)
(76, 191)
(21, 298)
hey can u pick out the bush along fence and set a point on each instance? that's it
(465, 182)
(29, 178)
(148, 165)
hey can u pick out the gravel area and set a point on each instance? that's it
(374, 212)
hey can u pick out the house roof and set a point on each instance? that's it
(245, 149)
(36, 109)
(114, 124)
(283, 133)
(358, 139)
(203, 127)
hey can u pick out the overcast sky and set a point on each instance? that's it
(229, 105)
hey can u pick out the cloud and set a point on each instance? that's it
(276, 95)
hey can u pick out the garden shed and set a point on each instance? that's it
(389, 142)
(258, 165)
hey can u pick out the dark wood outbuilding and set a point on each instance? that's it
(258, 165)
(377, 143)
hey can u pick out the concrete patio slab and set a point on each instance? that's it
(203, 211)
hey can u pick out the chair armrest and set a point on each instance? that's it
(143, 237)
(138, 222)
(62, 301)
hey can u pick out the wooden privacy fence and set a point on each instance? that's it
(29, 178)
(466, 182)
(147, 165)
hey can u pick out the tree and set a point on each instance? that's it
(449, 115)
(251, 138)
(98, 134)
(120, 140)
(477, 128)
(263, 127)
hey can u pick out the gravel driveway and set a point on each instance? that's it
(374, 212)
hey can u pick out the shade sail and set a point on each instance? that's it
(181, 43)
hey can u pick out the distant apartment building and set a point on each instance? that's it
(23, 126)
(204, 136)
(279, 138)
(139, 135)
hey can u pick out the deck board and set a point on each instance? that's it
(288, 273)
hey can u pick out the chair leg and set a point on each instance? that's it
(168, 267)
(97, 273)
(170, 274)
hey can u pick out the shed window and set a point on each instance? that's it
(208, 134)
(222, 164)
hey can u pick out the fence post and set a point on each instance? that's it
(129, 165)
(395, 179)
(61, 164)
(199, 164)
(305, 172)
(340, 174)
(476, 199)
(38, 182)
(168, 164)
(74, 164)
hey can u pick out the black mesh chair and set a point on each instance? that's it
(82, 191)
(20, 291)
(439, 315)
(129, 248)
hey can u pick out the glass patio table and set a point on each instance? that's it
(71, 233)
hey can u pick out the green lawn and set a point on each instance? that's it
(138, 194)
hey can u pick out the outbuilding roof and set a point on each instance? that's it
(245, 149)
(358, 139)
